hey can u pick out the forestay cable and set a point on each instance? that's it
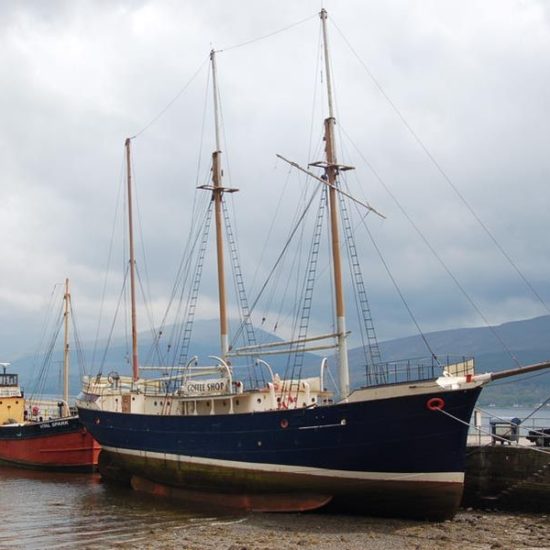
(439, 168)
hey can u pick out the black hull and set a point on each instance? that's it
(391, 456)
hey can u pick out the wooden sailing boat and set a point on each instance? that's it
(44, 434)
(388, 448)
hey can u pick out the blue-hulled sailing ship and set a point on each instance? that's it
(394, 447)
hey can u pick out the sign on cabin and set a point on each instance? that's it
(200, 387)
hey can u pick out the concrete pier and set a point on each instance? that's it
(507, 477)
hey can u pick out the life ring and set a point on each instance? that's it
(284, 423)
(435, 404)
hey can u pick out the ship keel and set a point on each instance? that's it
(427, 496)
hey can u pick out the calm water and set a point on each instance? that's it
(539, 419)
(40, 510)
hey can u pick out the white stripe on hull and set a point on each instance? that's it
(423, 477)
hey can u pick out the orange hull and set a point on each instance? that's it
(284, 502)
(62, 444)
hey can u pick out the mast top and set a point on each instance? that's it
(324, 16)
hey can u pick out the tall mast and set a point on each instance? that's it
(135, 361)
(66, 299)
(217, 192)
(332, 172)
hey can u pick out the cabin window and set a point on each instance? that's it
(259, 400)
(208, 403)
(155, 403)
(236, 402)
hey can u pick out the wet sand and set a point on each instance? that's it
(66, 511)
(470, 529)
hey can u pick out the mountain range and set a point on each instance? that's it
(494, 348)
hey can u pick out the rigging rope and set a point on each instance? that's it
(281, 255)
(81, 359)
(251, 41)
(39, 384)
(146, 295)
(481, 430)
(442, 172)
(434, 253)
(110, 336)
(171, 102)
(109, 257)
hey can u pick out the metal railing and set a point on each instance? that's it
(492, 428)
(419, 370)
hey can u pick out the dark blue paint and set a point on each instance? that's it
(386, 435)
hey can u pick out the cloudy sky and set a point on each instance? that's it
(471, 79)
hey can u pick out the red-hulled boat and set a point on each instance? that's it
(42, 434)
(57, 442)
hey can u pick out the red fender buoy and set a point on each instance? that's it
(435, 404)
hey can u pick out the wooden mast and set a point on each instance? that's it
(135, 360)
(217, 193)
(66, 299)
(331, 173)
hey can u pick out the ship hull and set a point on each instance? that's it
(57, 445)
(391, 456)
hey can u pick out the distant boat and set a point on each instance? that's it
(395, 447)
(43, 434)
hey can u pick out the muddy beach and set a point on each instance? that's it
(470, 529)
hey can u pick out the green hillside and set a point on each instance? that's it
(528, 341)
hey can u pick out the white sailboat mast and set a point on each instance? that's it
(135, 359)
(331, 172)
(217, 195)
(66, 299)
